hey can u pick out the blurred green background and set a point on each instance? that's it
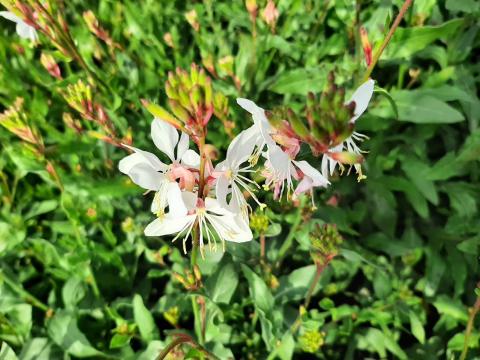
(78, 279)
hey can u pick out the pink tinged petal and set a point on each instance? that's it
(222, 190)
(305, 185)
(150, 158)
(165, 137)
(309, 171)
(10, 16)
(191, 159)
(168, 225)
(186, 177)
(362, 97)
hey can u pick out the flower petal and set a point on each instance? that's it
(167, 225)
(10, 16)
(150, 158)
(183, 145)
(25, 31)
(142, 174)
(165, 137)
(249, 105)
(215, 206)
(241, 148)
(317, 178)
(176, 204)
(190, 159)
(362, 97)
(221, 191)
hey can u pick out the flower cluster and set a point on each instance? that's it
(195, 197)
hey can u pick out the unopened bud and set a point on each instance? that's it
(179, 110)
(160, 113)
(52, 67)
(192, 19)
(226, 65)
(346, 157)
(167, 37)
(270, 14)
(367, 48)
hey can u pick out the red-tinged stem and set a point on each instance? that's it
(262, 246)
(387, 39)
(468, 331)
(184, 339)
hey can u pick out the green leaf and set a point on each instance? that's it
(452, 308)
(222, 284)
(144, 320)
(300, 81)
(418, 107)
(416, 327)
(40, 349)
(63, 330)
(406, 42)
(73, 292)
(259, 291)
(119, 341)
(6, 352)
(40, 208)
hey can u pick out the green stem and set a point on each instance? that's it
(23, 293)
(287, 244)
(468, 331)
(387, 39)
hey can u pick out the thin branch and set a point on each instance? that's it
(387, 39)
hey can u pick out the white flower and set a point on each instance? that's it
(229, 174)
(146, 170)
(286, 170)
(24, 30)
(261, 128)
(361, 97)
(186, 210)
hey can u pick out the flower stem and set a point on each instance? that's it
(22, 292)
(183, 339)
(287, 244)
(387, 39)
(262, 247)
(473, 313)
(318, 273)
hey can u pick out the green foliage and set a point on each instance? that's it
(78, 279)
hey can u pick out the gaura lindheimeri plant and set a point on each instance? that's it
(195, 198)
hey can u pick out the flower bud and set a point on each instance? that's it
(325, 241)
(270, 15)
(226, 64)
(160, 113)
(367, 48)
(167, 37)
(346, 157)
(52, 67)
(178, 110)
(192, 19)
